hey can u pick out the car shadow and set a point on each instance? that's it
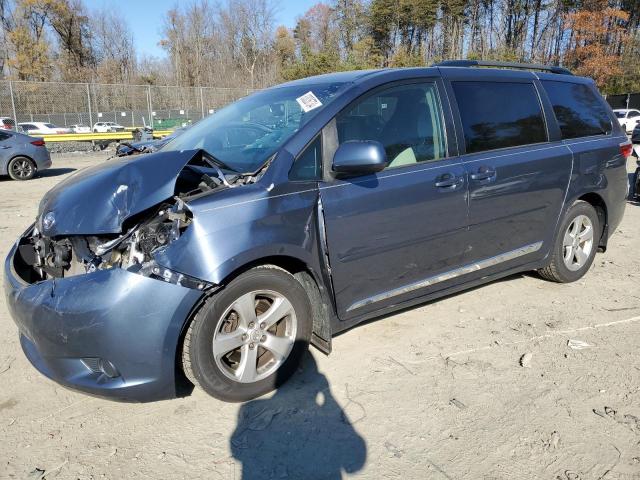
(299, 432)
(54, 172)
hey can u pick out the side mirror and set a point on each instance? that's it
(359, 157)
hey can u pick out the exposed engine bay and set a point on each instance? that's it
(41, 257)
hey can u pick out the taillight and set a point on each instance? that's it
(38, 143)
(625, 149)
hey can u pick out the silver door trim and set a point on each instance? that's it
(471, 267)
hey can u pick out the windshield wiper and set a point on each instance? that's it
(217, 162)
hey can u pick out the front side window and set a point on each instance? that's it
(634, 114)
(406, 119)
(618, 113)
(246, 133)
(579, 111)
(308, 165)
(499, 115)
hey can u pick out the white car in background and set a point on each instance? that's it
(79, 128)
(628, 118)
(42, 128)
(106, 127)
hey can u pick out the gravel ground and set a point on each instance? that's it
(479, 385)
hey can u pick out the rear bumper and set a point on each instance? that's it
(129, 320)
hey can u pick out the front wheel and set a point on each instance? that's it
(575, 245)
(248, 339)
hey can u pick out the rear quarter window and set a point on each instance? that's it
(579, 110)
(499, 115)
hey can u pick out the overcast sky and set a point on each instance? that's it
(145, 18)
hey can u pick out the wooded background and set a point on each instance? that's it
(238, 44)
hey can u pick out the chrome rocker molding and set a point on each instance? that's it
(472, 267)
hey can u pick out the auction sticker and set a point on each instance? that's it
(308, 102)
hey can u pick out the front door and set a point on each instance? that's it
(390, 235)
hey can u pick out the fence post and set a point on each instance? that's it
(149, 105)
(89, 103)
(202, 103)
(13, 103)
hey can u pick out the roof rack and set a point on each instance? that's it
(492, 63)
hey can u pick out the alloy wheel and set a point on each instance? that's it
(578, 243)
(22, 168)
(255, 335)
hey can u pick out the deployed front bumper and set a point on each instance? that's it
(71, 328)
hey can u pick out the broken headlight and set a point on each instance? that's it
(133, 250)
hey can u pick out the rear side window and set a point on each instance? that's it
(580, 112)
(499, 115)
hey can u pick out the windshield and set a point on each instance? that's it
(246, 133)
(619, 114)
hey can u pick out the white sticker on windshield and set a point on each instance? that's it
(308, 102)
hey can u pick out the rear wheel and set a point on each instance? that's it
(21, 168)
(575, 246)
(248, 339)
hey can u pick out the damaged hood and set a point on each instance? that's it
(98, 199)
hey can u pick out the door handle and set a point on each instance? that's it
(447, 180)
(484, 173)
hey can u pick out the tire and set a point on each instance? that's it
(225, 320)
(22, 168)
(567, 264)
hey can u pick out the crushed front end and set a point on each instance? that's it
(95, 312)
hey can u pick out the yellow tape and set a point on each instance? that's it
(91, 137)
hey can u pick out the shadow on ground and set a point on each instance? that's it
(54, 172)
(300, 432)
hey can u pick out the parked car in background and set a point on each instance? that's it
(79, 128)
(147, 146)
(635, 135)
(22, 156)
(107, 127)
(628, 118)
(7, 123)
(42, 128)
(228, 251)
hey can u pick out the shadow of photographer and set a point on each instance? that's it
(299, 432)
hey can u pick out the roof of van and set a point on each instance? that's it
(355, 76)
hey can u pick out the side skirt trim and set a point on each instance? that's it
(442, 277)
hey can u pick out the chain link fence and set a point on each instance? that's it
(65, 104)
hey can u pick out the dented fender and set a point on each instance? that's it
(242, 226)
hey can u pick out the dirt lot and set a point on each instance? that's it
(434, 392)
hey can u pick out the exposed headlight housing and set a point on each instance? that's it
(133, 250)
(48, 221)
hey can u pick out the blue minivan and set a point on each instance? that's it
(304, 209)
